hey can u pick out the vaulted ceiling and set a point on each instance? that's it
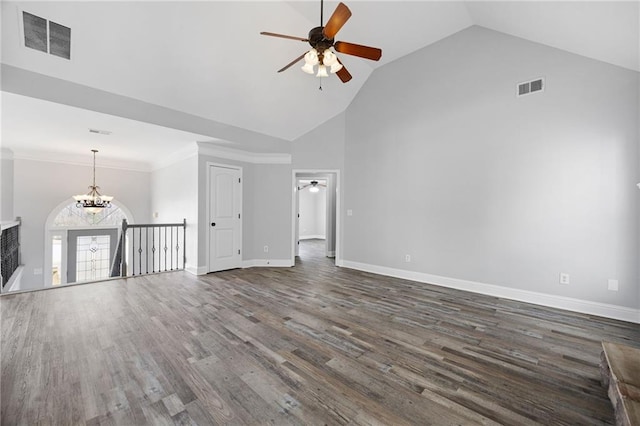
(207, 61)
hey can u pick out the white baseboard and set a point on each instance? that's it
(560, 302)
(268, 263)
(196, 270)
(313, 237)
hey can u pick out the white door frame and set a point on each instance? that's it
(338, 206)
(208, 209)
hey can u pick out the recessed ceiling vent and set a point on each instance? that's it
(46, 36)
(100, 132)
(529, 87)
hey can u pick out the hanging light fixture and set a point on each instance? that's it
(324, 60)
(93, 202)
(314, 186)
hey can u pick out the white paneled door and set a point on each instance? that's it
(225, 221)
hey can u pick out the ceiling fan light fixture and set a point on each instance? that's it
(308, 68)
(337, 66)
(311, 57)
(329, 58)
(322, 71)
(314, 189)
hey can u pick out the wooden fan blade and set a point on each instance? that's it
(284, 36)
(337, 20)
(292, 63)
(366, 52)
(343, 74)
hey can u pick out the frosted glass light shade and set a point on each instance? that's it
(322, 71)
(329, 58)
(337, 66)
(308, 68)
(311, 57)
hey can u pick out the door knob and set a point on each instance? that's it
(213, 224)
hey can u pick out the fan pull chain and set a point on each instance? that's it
(320, 88)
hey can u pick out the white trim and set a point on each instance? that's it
(8, 224)
(14, 280)
(178, 156)
(81, 160)
(567, 303)
(208, 208)
(338, 207)
(268, 263)
(245, 156)
(6, 154)
(195, 270)
(313, 237)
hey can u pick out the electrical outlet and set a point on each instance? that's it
(564, 278)
(407, 258)
(612, 284)
(266, 249)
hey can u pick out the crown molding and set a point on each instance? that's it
(244, 156)
(6, 154)
(180, 155)
(81, 160)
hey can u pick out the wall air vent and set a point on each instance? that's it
(46, 36)
(529, 87)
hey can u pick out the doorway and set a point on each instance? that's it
(90, 253)
(68, 232)
(224, 212)
(316, 219)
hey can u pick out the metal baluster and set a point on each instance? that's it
(133, 251)
(184, 243)
(165, 248)
(171, 246)
(140, 251)
(123, 250)
(146, 256)
(153, 249)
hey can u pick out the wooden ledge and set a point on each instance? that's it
(620, 369)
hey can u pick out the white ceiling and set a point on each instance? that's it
(208, 59)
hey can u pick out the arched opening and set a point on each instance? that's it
(81, 246)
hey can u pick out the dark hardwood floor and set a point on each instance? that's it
(314, 344)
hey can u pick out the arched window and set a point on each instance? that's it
(73, 217)
(81, 246)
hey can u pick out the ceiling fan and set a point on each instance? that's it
(322, 40)
(314, 184)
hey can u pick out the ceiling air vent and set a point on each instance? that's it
(529, 87)
(46, 36)
(100, 132)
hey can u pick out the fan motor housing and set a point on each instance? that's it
(318, 41)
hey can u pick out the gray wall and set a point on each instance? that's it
(6, 186)
(266, 206)
(444, 163)
(323, 148)
(40, 186)
(174, 196)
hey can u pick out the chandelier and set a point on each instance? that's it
(93, 202)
